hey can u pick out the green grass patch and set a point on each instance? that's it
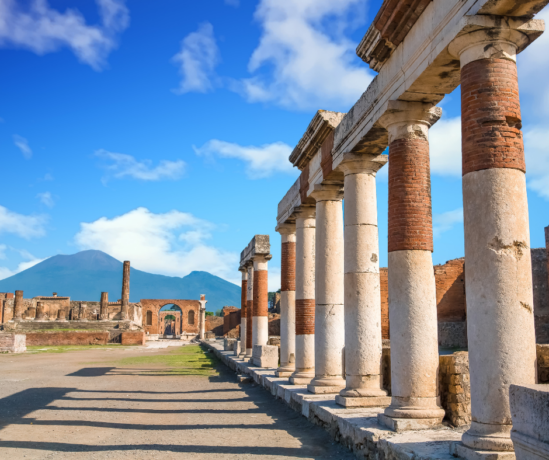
(66, 348)
(187, 360)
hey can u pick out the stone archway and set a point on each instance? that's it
(151, 315)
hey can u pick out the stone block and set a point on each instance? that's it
(408, 424)
(237, 348)
(228, 344)
(376, 401)
(265, 356)
(457, 449)
(12, 343)
(530, 413)
(323, 390)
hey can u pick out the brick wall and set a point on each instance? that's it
(214, 324)
(132, 338)
(12, 343)
(67, 338)
(543, 363)
(455, 388)
(384, 284)
(450, 283)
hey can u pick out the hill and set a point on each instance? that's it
(83, 276)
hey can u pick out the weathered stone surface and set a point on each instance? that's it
(12, 343)
(265, 356)
(228, 344)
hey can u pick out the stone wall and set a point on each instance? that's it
(452, 334)
(12, 343)
(384, 285)
(214, 324)
(543, 363)
(132, 338)
(190, 322)
(67, 338)
(455, 388)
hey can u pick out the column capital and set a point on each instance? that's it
(260, 258)
(409, 120)
(305, 212)
(361, 163)
(287, 228)
(494, 37)
(327, 192)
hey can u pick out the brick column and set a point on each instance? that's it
(249, 311)
(40, 312)
(304, 297)
(243, 310)
(329, 314)
(498, 275)
(18, 307)
(260, 320)
(287, 301)
(125, 290)
(362, 285)
(412, 289)
(104, 307)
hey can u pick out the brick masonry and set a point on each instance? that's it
(288, 267)
(132, 338)
(410, 221)
(12, 343)
(154, 305)
(543, 363)
(67, 338)
(491, 119)
(243, 296)
(261, 293)
(249, 324)
(304, 316)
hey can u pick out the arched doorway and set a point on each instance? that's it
(170, 320)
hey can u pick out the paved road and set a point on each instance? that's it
(81, 405)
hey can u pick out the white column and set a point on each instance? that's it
(261, 301)
(243, 310)
(329, 314)
(363, 340)
(287, 301)
(202, 310)
(250, 332)
(305, 296)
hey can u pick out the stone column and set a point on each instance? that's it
(202, 311)
(287, 301)
(412, 288)
(83, 312)
(260, 320)
(40, 312)
(363, 340)
(104, 308)
(125, 290)
(305, 296)
(61, 315)
(498, 275)
(243, 311)
(249, 311)
(18, 307)
(329, 314)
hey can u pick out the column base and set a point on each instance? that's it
(409, 424)
(457, 449)
(364, 401)
(488, 437)
(284, 371)
(323, 390)
(302, 378)
(326, 385)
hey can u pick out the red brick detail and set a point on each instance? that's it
(229, 318)
(243, 297)
(304, 184)
(384, 285)
(326, 161)
(67, 338)
(214, 324)
(450, 282)
(410, 222)
(132, 338)
(261, 293)
(395, 18)
(249, 324)
(304, 316)
(490, 113)
(288, 267)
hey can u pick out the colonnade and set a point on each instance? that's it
(337, 315)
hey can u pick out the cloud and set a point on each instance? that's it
(123, 165)
(445, 147)
(235, 3)
(30, 262)
(46, 199)
(197, 60)
(23, 145)
(262, 161)
(43, 30)
(24, 226)
(171, 244)
(446, 221)
(304, 60)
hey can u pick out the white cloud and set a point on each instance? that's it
(123, 165)
(23, 145)
(235, 3)
(310, 62)
(169, 244)
(197, 60)
(446, 221)
(262, 161)
(445, 147)
(42, 29)
(30, 262)
(24, 226)
(46, 199)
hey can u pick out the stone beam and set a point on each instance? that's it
(258, 246)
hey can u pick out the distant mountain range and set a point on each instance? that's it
(83, 276)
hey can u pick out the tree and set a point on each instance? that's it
(219, 312)
(209, 313)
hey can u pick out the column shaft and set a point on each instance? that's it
(125, 290)
(329, 314)
(104, 306)
(243, 311)
(287, 301)
(18, 306)
(500, 321)
(250, 311)
(260, 322)
(305, 297)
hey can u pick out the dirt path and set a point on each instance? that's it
(91, 405)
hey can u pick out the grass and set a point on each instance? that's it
(66, 348)
(187, 360)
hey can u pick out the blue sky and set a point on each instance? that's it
(159, 132)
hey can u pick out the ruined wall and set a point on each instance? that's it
(455, 388)
(540, 279)
(384, 285)
(543, 363)
(154, 305)
(132, 338)
(12, 343)
(214, 324)
(229, 319)
(67, 338)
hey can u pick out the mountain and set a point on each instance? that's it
(83, 276)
